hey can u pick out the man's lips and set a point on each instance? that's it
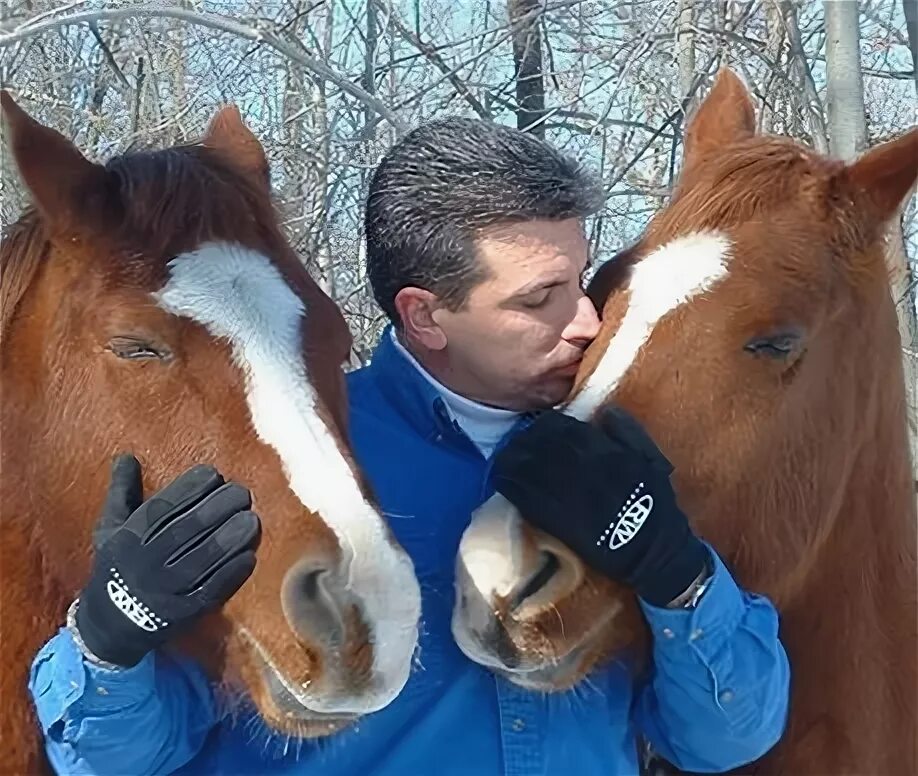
(567, 370)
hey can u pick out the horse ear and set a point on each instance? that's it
(64, 184)
(228, 134)
(881, 179)
(726, 115)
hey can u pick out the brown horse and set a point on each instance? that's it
(152, 304)
(753, 332)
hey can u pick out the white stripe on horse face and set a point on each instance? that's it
(237, 294)
(671, 276)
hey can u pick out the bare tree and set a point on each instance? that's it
(525, 23)
(910, 11)
(800, 65)
(685, 50)
(844, 80)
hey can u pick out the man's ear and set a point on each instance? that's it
(416, 308)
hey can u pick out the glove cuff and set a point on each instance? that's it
(88, 655)
(670, 580)
(95, 636)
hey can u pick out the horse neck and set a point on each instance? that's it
(36, 487)
(869, 547)
(850, 628)
(869, 556)
(867, 564)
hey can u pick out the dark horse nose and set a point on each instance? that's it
(551, 564)
(312, 603)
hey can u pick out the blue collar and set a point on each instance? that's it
(417, 400)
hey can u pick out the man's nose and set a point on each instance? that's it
(584, 326)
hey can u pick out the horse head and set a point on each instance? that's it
(751, 330)
(151, 304)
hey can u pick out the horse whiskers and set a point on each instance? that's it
(560, 619)
(580, 692)
(399, 516)
(588, 683)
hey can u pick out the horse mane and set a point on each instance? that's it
(162, 202)
(762, 176)
(22, 249)
(191, 191)
(755, 175)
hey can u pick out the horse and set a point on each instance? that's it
(152, 305)
(752, 331)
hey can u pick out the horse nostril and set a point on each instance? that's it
(550, 566)
(310, 601)
(309, 584)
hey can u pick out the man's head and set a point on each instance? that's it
(475, 248)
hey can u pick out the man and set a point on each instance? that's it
(475, 250)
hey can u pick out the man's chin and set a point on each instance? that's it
(552, 391)
(540, 393)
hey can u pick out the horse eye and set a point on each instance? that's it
(133, 348)
(777, 346)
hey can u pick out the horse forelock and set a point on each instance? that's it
(745, 180)
(175, 199)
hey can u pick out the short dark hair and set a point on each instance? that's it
(443, 182)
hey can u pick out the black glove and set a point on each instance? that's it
(604, 491)
(162, 563)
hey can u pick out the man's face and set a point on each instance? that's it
(520, 337)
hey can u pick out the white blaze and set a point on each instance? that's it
(669, 277)
(239, 295)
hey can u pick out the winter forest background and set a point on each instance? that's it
(327, 85)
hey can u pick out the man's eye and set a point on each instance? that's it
(537, 300)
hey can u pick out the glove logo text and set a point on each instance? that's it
(130, 607)
(628, 521)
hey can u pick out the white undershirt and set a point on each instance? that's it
(484, 425)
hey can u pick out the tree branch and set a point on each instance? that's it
(109, 57)
(212, 21)
(812, 102)
(527, 58)
(430, 53)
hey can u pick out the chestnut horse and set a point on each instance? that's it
(152, 305)
(752, 331)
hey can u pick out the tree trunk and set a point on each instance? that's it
(369, 71)
(910, 7)
(774, 46)
(798, 64)
(525, 19)
(685, 52)
(318, 216)
(844, 80)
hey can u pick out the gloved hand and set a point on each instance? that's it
(604, 491)
(162, 563)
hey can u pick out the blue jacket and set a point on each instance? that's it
(710, 703)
